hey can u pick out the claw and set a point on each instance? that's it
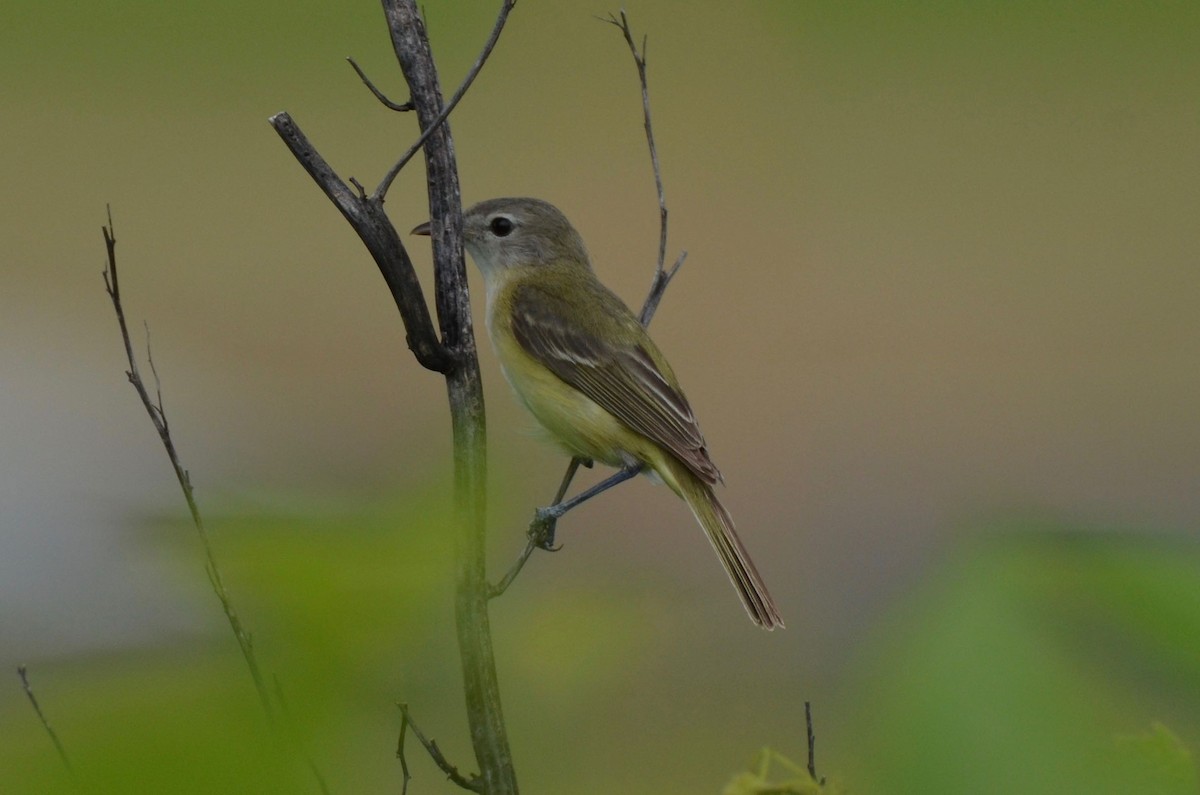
(541, 529)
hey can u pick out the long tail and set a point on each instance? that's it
(718, 525)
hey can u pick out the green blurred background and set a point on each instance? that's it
(939, 321)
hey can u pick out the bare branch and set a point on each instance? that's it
(812, 744)
(464, 386)
(58, 746)
(474, 784)
(401, 757)
(532, 542)
(640, 63)
(375, 229)
(658, 286)
(158, 417)
(379, 95)
(433, 126)
(539, 529)
(454, 355)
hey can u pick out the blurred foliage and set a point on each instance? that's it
(759, 780)
(1035, 661)
(1026, 658)
(340, 601)
(1158, 763)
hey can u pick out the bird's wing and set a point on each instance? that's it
(624, 379)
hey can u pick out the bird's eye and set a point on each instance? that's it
(501, 226)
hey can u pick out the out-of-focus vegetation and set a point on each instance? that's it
(1033, 660)
(1037, 661)
(774, 774)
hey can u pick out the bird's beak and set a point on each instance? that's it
(421, 229)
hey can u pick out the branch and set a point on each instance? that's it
(379, 95)
(661, 277)
(474, 784)
(465, 387)
(812, 744)
(58, 746)
(400, 756)
(454, 356)
(540, 534)
(497, 29)
(158, 417)
(366, 214)
(374, 228)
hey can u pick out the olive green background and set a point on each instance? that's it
(938, 320)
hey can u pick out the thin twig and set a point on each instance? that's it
(158, 416)
(475, 784)
(812, 741)
(497, 29)
(400, 754)
(639, 59)
(379, 95)
(531, 544)
(658, 286)
(536, 535)
(662, 277)
(58, 746)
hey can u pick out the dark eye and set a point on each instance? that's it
(501, 226)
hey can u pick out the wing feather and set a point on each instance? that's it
(624, 380)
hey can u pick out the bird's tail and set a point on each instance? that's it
(718, 525)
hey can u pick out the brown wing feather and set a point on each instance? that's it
(624, 380)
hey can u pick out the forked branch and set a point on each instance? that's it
(474, 784)
(490, 45)
(365, 214)
(453, 354)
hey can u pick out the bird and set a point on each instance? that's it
(587, 370)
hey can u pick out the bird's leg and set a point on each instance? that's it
(541, 529)
(568, 476)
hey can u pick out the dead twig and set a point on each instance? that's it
(474, 784)
(812, 744)
(497, 29)
(158, 417)
(53, 735)
(401, 107)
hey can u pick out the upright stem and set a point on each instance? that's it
(465, 391)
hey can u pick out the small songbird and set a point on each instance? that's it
(585, 367)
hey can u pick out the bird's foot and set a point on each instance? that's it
(542, 528)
